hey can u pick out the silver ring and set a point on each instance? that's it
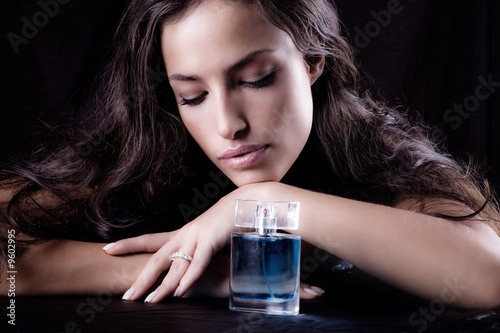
(182, 255)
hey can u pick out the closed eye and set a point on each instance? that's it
(261, 83)
(265, 81)
(193, 101)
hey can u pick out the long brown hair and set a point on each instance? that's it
(368, 144)
(121, 175)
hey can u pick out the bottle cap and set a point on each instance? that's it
(267, 215)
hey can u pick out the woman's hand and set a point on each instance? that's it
(213, 283)
(200, 239)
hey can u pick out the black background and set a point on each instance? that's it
(429, 57)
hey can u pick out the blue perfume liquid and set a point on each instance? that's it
(265, 273)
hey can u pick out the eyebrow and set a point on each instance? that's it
(237, 65)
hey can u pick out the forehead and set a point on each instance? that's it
(215, 34)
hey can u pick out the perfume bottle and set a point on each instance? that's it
(265, 265)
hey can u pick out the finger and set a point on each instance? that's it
(144, 243)
(170, 283)
(201, 259)
(310, 292)
(157, 264)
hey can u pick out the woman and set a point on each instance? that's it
(267, 90)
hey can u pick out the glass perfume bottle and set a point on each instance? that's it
(265, 265)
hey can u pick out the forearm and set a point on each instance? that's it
(71, 267)
(421, 254)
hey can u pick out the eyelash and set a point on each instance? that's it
(265, 81)
(259, 84)
(194, 101)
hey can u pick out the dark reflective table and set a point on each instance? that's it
(102, 313)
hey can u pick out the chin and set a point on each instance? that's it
(246, 179)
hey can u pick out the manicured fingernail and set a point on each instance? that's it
(150, 297)
(128, 294)
(318, 290)
(310, 291)
(177, 291)
(107, 247)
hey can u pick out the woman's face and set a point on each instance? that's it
(243, 89)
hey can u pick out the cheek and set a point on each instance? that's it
(301, 105)
(190, 125)
(284, 112)
(201, 134)
(292, 117)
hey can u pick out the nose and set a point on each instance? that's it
(230, 118)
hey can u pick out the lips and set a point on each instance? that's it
(243, 156)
